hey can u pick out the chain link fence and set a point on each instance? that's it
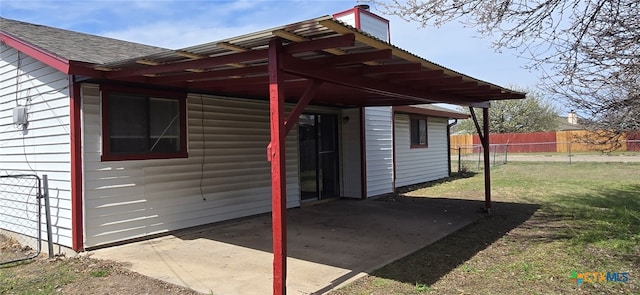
(21, 217)
(470, 157)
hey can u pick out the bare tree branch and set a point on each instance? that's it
(588, 50)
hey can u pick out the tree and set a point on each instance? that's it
(588, 50)
(532, 114)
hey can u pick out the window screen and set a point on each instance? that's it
(143, 125)
(418, 131)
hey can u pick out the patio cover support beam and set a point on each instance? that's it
(475, 122)
(203, 63)
(308, 95)
(487, 166)
(483, 134)
(312, 70)
(276, 154)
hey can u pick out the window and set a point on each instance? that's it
(138, 125)
(418, 129)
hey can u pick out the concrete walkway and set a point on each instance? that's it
(329, 244)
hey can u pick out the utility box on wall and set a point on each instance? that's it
(362, 19)
(20, 116)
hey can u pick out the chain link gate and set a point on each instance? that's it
(20, 217)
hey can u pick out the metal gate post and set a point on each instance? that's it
(47, 212)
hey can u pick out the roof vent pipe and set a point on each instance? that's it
(362, 6)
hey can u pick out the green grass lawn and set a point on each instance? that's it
(549, 220)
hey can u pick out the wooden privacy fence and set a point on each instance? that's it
(549, 142)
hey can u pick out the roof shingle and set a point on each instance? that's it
(76, 46)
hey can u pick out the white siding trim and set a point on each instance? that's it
(129, 199)
(419, 165)
(44, 147)
(374, 26)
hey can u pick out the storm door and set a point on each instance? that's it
(318, 153)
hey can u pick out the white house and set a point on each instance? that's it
(138, 140)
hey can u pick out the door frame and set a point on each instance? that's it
(337, 156)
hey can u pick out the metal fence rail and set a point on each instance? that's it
(470, 156)
(21, 217)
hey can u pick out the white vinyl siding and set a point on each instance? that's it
(349, 19)
(368, 24)
(374, 26)
(419, 165)
(43, 148)
(226, 175)
(379, 150)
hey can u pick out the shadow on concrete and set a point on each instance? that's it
(430, 263)
(362, 236)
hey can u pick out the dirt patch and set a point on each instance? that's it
(10, 249)
(108, 277)
(74, 275)
(79, 275)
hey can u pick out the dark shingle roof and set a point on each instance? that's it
(74, 45)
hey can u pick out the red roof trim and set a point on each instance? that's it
(44, 56)
(355, 11)
(343, 13)
(429, 112)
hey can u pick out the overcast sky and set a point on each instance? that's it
(177, 24)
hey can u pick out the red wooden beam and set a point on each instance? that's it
(460, 86)
(276, 155)
(80, 68)
(210, 75)
(314, 70)
(244, 85)
(77, 221)
(443, 81)
(320, 44)
(230, 83)
(356, 58)
(424, 75)
(481, 90)
(203, 63)
(393, 68)
(302, 103)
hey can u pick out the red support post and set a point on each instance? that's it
(77, 230)
(487, 164)
(276, 154)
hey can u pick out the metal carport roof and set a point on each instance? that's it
(360, 69)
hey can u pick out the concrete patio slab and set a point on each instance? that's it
(328, 244)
